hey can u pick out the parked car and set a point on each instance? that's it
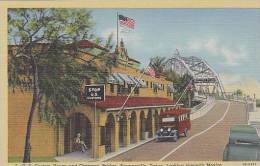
(244, 144)
(173, 123)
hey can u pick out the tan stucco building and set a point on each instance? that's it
(136, 122)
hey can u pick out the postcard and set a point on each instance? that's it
(117, 84)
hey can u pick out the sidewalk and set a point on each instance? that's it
(125, 149)
(76, 156)
(87, 156)
(254, 117)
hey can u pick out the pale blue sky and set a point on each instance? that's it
(229, 39)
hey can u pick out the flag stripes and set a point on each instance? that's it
(126, 21)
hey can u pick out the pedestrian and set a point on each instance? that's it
(81, 143)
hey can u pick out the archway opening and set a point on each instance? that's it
(133, 128)
(77, 123)
(142, 125)
(110, 134)
(156, 121)
(149, 124)
(122, 130)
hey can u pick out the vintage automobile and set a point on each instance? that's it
(173, 123)
(243, 145)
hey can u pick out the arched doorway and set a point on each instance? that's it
(77, 123)
(156, 121)
(133, 128)
(110, 134)
(122, 130)
(149, 124)
(142, 125)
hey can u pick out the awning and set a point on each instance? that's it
(143, 84)
(118, 79)
(170, 88)
(125, 78)
(112, 80)
(135, 81)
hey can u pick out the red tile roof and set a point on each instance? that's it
(117, 102)
(90, 44)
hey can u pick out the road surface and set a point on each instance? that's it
(206, 141)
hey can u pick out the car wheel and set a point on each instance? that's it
(186, 132)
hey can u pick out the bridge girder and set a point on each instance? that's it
(204, 76)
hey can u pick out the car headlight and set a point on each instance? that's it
(161, 130)
(169, 129)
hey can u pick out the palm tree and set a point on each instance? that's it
(158, 64)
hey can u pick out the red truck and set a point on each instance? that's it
(173, 123)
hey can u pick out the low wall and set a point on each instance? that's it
(210, 103)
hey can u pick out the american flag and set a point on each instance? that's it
(126, 21)
(151, 71)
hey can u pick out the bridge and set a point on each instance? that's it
(206, 81)
(211, 120)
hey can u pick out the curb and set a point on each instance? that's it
(126, 150)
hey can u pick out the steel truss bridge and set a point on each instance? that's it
(205, 80)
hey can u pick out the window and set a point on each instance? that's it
(136, 91)
(120, 89)
(112, 89)
(129, 88)
(147, 83)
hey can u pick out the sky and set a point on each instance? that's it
(228, 39)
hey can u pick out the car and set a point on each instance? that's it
(243, 145)
(173, 123)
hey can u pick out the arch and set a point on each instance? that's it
(122, 130)
(202, 73)
(77, 123)
(142, 125)
(110, 134)
(133, 127)
(149, 124)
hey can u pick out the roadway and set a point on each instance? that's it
(206, 141)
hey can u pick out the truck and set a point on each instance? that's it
(173, 123)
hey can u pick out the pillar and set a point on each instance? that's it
(128, 136)
(59, 140)
(153, 124)
(116, 141)
(70, 134)
(96, 136)
(137, 134)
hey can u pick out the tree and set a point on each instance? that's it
(45, 57)
(158, 64)
(238, 92)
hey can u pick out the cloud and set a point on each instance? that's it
(232, 55)
(195, 45)
(212, 45)
(248, 85)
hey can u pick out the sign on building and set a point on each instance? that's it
(95, 92)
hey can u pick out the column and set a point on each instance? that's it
(137, 134)
(128, 136)
(153, 124)
(116, 141)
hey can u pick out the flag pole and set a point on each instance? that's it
(117, 30)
